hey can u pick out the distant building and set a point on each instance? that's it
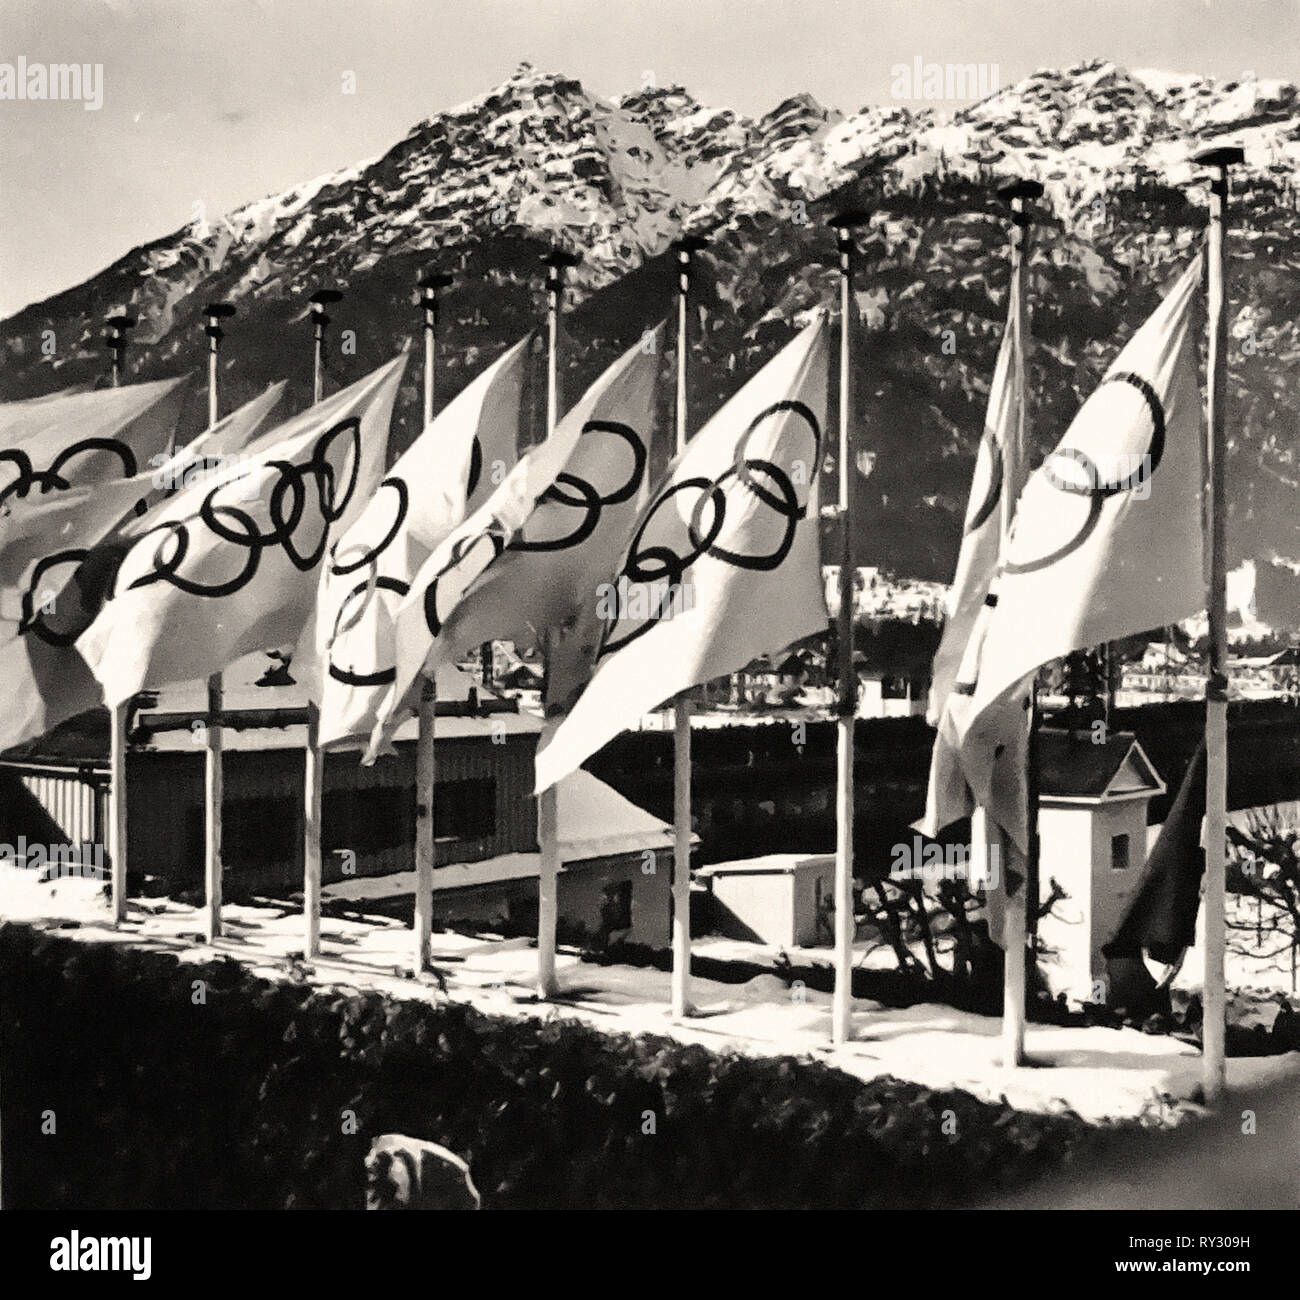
(896, 693)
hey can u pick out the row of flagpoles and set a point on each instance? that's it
(479, 556)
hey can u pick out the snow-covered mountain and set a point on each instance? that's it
(485, 187)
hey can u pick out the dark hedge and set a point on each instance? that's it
(240, 1103)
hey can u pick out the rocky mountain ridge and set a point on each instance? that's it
(486, 187)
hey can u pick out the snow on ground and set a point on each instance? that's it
(1100, 1073)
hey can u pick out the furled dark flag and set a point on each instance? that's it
(1162, 916)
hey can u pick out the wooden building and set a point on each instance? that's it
(55, 791)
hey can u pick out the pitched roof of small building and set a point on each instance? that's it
(1072, 765)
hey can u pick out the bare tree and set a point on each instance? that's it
(1265, 866)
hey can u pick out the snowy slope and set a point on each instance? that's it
(539, 160)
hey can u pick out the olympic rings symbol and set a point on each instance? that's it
(1084, 478)
(370, 556)
(351, 610)
(570, 491)
(494, 537)
(355, 603)
(993, 494)
(52, 479)
(360, 599)
(666, 562)
(33, 617)
(578, 494)
(287, 508)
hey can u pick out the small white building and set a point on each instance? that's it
(1092, 826)
(778, 899)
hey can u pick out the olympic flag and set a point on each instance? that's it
(57, 560)
(996, 478)
(724, 563)
(544, 585)
(71, 440)
(233, 567)
(1106, 542)
(565, 496)
(450, 469)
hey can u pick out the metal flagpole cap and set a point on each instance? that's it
(216, 311)
(319, 300)
(433, 279)
(845, 223)
(560, 257)
(1024, 188)
(1220, 156)
(849, 219)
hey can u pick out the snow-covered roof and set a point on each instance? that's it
(273, 718)
(771, 864)
(593, 821)
(241, 690)
(1073, 768)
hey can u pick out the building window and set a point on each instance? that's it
(262, 832)
(616, 907)
(1119, 853)
(465, 810)
(369, 821)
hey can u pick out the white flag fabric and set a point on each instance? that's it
(71, 440)
(1106, 541)
(449, 470)
(994, 489)
(47, 535)
(58, 555)
(215, 451)
(540, 589)
(724, 563)
(233, 567)
(545, 514)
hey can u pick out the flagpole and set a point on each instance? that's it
(319, 320)
(686, 248)
(117, 325)
(1214, 1029)
(845, 224)
(425, 770)
(213, 775)
(1016, 912)
(556, 262)
(314, 764)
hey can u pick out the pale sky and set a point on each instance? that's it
(224, 101)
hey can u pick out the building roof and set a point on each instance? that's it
(268, 716)
(771, 864)
(593, 821)
(1071, 765)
